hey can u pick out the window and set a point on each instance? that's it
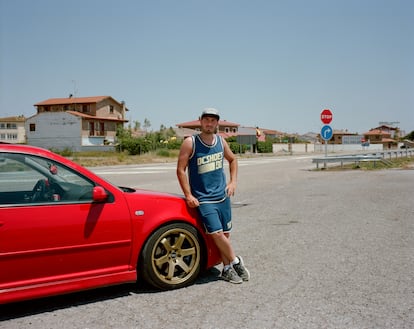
(92, 128)
(30, 179)
(8, 126)
(101, 129)
(85, 108)
(111, 109)
(32, 127)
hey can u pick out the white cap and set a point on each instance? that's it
(210, 112)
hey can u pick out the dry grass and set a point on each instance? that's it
(396, 163)
(95, 159)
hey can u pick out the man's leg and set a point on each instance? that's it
(227, 255)
(235, 261)
(222, 242)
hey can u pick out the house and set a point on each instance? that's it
(393, 131)
(183, 133)
(76, 123)
(225, 128)
(12, 129)
(272, 133)
(263, 133)
(380, 136)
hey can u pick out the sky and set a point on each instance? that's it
(273, 64)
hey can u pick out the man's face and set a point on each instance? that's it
(209, 124)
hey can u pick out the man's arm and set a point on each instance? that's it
(182, 163)
(233, 169)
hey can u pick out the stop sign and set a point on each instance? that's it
(326, 116)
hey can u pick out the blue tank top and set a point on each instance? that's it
(205, 170)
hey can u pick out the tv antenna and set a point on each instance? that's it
(75, 89)
(389, 123)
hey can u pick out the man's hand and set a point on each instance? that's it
(192, 202)
(231, 189)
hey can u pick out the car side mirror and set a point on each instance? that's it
(99, 194)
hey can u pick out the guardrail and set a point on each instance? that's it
(365, 157)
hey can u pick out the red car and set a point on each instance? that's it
(65, 229)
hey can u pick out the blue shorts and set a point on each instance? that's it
(216, 216)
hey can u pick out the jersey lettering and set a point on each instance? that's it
(210, 162)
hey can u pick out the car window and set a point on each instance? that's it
(31, 179)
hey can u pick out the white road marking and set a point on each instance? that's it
(137, 170)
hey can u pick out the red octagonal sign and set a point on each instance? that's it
(326, 116)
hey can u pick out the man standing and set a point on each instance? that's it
(206, 188)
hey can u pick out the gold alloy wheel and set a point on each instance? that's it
(172, 256)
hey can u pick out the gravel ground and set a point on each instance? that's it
(325, 250)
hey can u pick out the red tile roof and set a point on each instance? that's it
(377, 132)
(222, 123)
(73, 100)
(267, 131)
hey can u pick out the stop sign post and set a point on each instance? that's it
(326, 118)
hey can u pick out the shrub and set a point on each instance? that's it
(237, 148)
(134, 146)
(265, 147)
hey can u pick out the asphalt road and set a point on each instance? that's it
(325, 249)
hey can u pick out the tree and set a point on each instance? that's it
(147, 124)
(410, 136)
(122, 133)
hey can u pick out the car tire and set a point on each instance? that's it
(172, 257)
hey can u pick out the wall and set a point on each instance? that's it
(320, 148)
(332, 148)
(293, 148)
(55, 130)
(103, 109)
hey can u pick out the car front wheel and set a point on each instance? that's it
(171, 258)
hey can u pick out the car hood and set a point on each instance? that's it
(160, 203)
(150, 194)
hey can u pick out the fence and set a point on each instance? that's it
(373, 157)
(320, 148)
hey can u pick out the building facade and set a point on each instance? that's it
(76, 123)
(12, 129)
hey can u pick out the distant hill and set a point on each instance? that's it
(310, 137)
